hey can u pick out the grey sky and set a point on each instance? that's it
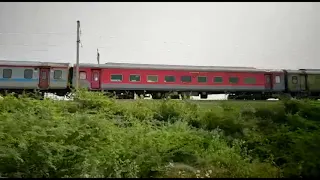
(270, 35)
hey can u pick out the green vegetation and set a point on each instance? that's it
(94, 136)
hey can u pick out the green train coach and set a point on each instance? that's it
(303, 83)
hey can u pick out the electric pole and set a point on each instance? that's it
(98, 56)
(78, 43)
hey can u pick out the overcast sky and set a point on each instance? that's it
(269, 35)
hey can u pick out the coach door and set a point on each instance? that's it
(303, 84)
(44, 76)
(268, 81)
(95, 79)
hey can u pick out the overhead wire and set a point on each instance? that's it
(43, 45)
(47, 33)
(38, 33)
(31, 45)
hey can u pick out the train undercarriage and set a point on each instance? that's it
(188, 95)
(204, 95)
(169, 94)
(35, 93)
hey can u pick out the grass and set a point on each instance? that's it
(94, 136)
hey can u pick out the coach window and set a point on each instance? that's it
(185, 78)
(96, 76)
(116, 77)
(28, 73)
(294, 79)
(277, 78)
(44, 76)
(233, 80)
(202, 79)
(82, 75)
(250, 80)
(152, 78)
(57, 74)
(134, 78)
(169, 79)
(7, 73)
(218, 80)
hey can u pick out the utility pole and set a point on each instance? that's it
(78, 43)
(98, 56)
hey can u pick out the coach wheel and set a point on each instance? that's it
(155, 96)
(231, 97)
(203, 96)
(174, 96)
(158, 95)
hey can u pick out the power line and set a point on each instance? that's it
(39, 51)
(47, 33)
(37, 59)
(30, 45)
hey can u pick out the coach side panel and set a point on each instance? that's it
(198, 81)
(278, 82)
(59, 78)
(84, 77)
(19, 77)
(314, 82)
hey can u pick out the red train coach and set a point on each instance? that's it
(158, 80)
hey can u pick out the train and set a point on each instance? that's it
(126, 80)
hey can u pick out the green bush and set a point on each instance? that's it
(96, 136)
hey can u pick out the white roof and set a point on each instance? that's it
(32, 63)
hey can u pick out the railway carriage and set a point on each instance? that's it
(296, 82)
(18, 76)
(158, 80)
(303, 83)
(313, 82)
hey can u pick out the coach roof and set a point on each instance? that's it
(171, 67)
(32, 63)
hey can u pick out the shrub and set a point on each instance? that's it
(96, 136)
